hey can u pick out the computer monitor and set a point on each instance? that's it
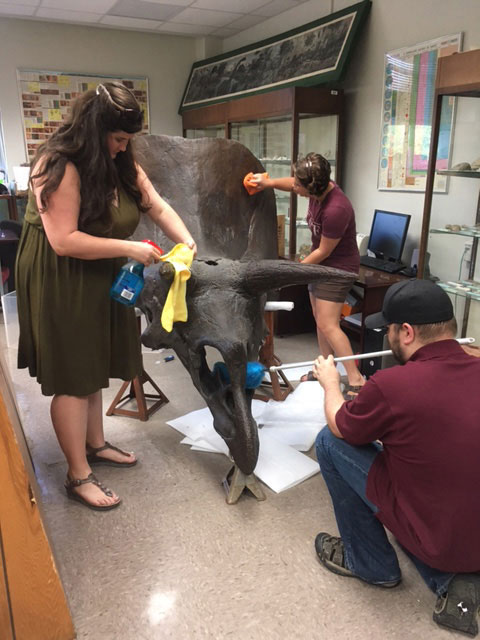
(388, 234)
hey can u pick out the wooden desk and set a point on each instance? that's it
(374, 284)
(300, 319)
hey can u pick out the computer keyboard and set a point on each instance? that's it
(381, 265)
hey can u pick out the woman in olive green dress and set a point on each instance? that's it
(87, 194)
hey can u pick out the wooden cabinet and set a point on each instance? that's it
(451, 219)
(278, 127)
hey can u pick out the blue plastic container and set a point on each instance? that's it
(129, 281)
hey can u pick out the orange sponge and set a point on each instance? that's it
(250, 186)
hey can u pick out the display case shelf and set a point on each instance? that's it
(300, 224)
(462, 174)
(464, 288)
(470, 232)
(272, 161)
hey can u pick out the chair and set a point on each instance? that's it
(12, 225)
(137, 393)
(10, 231)
(279, 383)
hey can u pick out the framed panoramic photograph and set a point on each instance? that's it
(315, 53)
(407, 109)
(46, 97)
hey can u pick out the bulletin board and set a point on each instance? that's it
(46, 97)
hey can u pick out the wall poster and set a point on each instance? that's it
(46, 97)
(407, 109)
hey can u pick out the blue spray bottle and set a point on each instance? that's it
(129, 281)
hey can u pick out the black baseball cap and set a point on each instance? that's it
(413, 301)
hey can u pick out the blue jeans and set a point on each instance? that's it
(368, 552)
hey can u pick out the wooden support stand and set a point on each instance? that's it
(279, 383)
(137, 393)
(236, 482)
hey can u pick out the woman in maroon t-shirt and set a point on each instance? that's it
(331, 220)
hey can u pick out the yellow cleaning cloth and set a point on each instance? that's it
(175, 307)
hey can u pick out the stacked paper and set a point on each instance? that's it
(285, 429)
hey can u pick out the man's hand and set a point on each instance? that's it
(326, 372)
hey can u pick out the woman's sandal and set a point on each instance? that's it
(71, 485)
(351, 391)
(93, 458)
(308, 377)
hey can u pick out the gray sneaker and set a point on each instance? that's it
(331, 553)
(458, 608)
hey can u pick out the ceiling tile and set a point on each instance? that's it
(93, 6)
(275, 7)
(16, 9)
(219, 18)
(130, 23)
(224, 32)
(205, 17)
(16, 3)
(67, 16)
(177, 3)
(245, 22)
(141, 9)
(236, 6)
(185, 29)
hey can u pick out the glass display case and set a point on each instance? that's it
(451, 217)
(270, 140)
(278, 127)
(319, 134)
(207, 132)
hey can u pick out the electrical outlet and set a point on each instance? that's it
(467, 256)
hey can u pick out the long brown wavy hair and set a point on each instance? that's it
(82, 140)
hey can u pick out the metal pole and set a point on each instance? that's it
(361, 356)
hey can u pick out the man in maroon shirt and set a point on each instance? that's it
(422, 481)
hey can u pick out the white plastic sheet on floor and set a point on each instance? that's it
(285, 430)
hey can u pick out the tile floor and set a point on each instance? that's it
(176, 562)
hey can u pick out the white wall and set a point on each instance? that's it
(165, 60)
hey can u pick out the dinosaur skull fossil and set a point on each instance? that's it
(235, 268)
